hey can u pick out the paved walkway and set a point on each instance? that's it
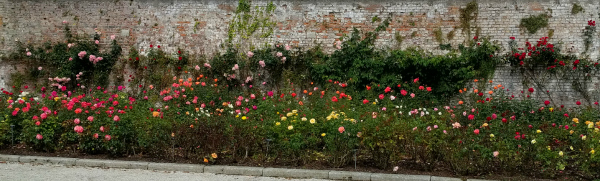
(34, 172)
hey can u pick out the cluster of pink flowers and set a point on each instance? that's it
(95, 59)
(81, 54)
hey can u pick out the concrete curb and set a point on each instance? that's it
(228, 170)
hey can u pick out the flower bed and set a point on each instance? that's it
(482, 132)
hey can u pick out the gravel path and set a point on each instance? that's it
(34, 172)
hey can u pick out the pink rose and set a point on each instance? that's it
(341, 129)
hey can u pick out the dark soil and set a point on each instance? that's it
(404, 168)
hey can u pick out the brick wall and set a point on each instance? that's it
(170, 23)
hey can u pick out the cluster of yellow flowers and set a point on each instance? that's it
(333, 115)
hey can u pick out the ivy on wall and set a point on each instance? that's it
(534, 23)
(467, 16)
(247, 22)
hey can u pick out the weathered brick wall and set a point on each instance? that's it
(201, 25)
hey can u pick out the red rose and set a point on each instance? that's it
(546, 102)
(387, 89)
(578, 103)
(180, 58)
(365, 101)
(150, 45)
(531, 90)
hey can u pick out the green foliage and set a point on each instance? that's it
(576, 9)
(375, 19)
(358, 54)
(533, 23)
(446, 46)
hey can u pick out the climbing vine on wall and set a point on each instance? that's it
(468, 14)
(588, 34)
(533, 23)
(248, 23)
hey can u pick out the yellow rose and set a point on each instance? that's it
(485, 124)
(313, 121)
(243, 117)
(491, 135)
(560, 153)
(214, 155)
(533, 141)
(283, 118)
(575, 120)
(294, 111)
(56, 98)
(277, 123)
(592, 152)
(304, 119)
(187, 113)
(538, 131)
(328, 118)
(583, 137)
(591, 125)
(290, 127)
(551, 109)
(323, 134)
(237, 116)
(289, 114)
(155, 114)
